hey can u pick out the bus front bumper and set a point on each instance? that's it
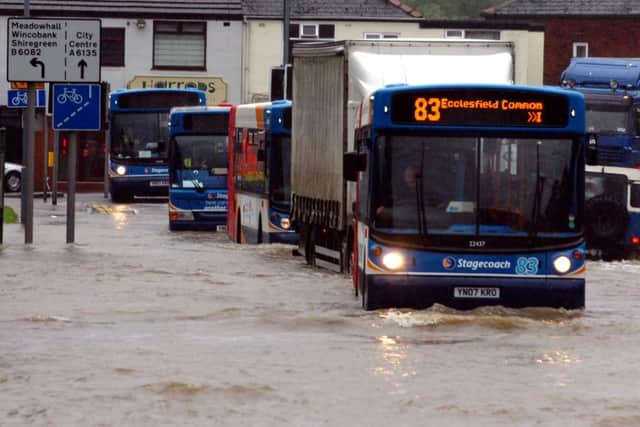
(405, 291)
(147, 186)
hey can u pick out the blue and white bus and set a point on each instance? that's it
(260, 168)
(198, 166)
(494, 211)
(139, 140)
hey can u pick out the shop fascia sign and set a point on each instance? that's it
(214, 87)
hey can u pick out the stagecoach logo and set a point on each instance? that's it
(155, 170)
(451, 263)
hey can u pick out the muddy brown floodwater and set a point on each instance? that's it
(133, 325)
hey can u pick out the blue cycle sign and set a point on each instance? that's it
(17, 98)
(76, 107)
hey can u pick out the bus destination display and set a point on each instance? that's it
(207, 122)
(481, 107)
(165, 99)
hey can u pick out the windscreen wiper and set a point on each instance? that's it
(421, 209)
(535, 208)
(198, 185)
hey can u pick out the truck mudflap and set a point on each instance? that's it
(326, 213)
(464, 293)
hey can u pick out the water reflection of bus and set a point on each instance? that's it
(139, 140)
(198, 168)
(494, 213)
(260, 169)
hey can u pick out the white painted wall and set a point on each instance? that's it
(263, 49)
(223, 56)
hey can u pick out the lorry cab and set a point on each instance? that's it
(612, 203)
(611, 87)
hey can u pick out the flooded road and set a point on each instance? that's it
(134, 325)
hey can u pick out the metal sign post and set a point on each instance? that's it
(50, 50)
(3, 148)
(71, 192)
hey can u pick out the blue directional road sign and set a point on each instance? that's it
(76, 107)
(17, 98)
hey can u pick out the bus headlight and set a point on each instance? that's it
(285, 223)
(121, 170)
(393, 261)
(562, 264)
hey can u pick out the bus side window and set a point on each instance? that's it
(635, 195)
(238, 142)
(363, 183)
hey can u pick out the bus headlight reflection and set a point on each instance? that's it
(562, 264)
(393, 261)
(121, 170)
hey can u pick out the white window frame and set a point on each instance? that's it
(462, 34)
(377, 35)
(315, 28)
(579, 45)
(182, 49)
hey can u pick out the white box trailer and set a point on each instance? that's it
(330, 81)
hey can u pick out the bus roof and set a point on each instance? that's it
(201, 109)
(252, 115)
(632, 174)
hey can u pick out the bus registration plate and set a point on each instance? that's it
(469, 292)
(159, 183)
(221, 228)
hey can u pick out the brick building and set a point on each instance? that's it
(577, 28)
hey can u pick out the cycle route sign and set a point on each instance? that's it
(53, 50)
(76, 107)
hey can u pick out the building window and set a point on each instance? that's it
(179, 45)
(454, 34)
(472, 34)
(372, 36)
(580, 50)
(112, 47)
(312, 31)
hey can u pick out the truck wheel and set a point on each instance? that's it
(606, 221)
(238, 229)
(259, 238)
(346, 255)
(310, 246)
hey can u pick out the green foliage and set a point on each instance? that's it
(10, 217)
(452, 9)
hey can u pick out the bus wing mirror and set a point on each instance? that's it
(591, 155)
(353, 163)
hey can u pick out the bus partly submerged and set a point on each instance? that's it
(139, 140)
(495, 214)
(260, 173)
(198, 168)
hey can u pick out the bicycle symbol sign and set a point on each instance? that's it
(18, 98)
(76, 107)
(69, 94)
